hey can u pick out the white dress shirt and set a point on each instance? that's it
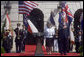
(49, 32)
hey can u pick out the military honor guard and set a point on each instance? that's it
(18, 38)
(7, 41)
(24, 36)
(62, 34)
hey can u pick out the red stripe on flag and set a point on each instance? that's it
(28, 6)
(30, 3)
(24, 7)
(29, 29)
(35, 3)
(67, 11)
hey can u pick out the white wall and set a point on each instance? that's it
(45, 6)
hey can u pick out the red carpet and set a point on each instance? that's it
(68, 54)
(30, 51)
(58, 54)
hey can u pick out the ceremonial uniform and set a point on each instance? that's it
(62, 37)
(18, 40)
(23, 35)
(78, 42)
(7, 43)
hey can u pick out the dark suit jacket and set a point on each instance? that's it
(16, 32)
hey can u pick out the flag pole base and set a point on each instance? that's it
(39, 51)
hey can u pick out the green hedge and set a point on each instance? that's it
(81, 54)
(81, 50)
(2, 50)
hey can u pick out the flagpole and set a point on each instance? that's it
(18, 12)
(18, 16)
(18, 20)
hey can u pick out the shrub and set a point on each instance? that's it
(81, 50)
(2, 50)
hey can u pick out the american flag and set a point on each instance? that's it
(30, 26)
(25, 7)
(26, 23)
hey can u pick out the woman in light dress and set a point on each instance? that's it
(72, 39)
(49, 33)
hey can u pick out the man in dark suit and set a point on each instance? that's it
(18, 38)
(78, 40)
(23, 35)
(62, 34)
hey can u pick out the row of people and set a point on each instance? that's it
(19, 39)
(7, 41)
(49, 34)
(66, 37)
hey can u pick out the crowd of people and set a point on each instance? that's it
(7, 41)
(19, 39)
(66, 38)
(65, 35)
(64, 44)
(21, 35)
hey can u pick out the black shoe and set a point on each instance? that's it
(61, 53)
(65, 54)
